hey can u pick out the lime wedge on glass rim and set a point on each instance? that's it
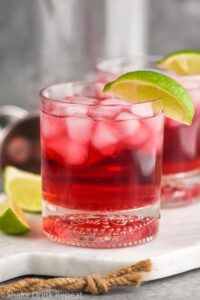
(24, 188)
(12, 218)
(144, 86)
(184, 62)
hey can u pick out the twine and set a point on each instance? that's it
(91, 284)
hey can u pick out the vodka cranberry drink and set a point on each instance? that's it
(101, 167)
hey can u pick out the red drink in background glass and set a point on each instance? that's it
(181, 153)
(101, 167)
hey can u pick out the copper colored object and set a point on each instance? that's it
(20, 139)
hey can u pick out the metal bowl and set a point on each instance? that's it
(20, 142)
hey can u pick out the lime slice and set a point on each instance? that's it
(143, 86)
(12, 218)
(185, 62)
(24, 187)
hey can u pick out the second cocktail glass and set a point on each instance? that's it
(101, 167)
(181, 152)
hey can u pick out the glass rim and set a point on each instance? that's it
(100, 62)
(146, 58)
(189, 82)
(81, 103)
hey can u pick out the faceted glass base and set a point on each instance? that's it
(100, 229)
(180, 189)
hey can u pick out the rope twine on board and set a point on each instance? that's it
(92, 284)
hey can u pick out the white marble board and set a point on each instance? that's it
(175, 250)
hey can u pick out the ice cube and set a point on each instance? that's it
(77, 106)
(109, 109)
(52, 126)
(105, 137)
(104, 113)
(143, 110)
(125, 116)
(79, 129)
(138, 139)
(106, 110)
(154, 128)
(74, 153)
(67, 108)
(127, 126)
(75, 110)
(133, 133)
(65, 151)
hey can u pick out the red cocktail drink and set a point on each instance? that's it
(101, 167)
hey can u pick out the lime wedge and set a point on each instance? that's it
(185, 62)
(143, 86)
(12, 218)
(24, 188)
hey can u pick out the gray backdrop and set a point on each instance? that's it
(46, 41)
(173, 25)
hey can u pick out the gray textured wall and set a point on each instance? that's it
(173, 25)
(37, 45)
(48, 41)
(19, 48)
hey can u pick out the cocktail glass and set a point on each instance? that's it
(109, 69)
(101, 167)
(181, 153)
